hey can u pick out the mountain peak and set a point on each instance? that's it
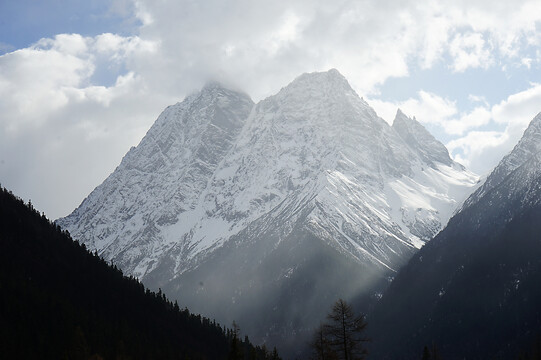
(318, 93)
(334, 73)
(215, 87)
(325, 80)
(331, 75)
(530, 143)
(528, 146)
(401, 119)
(400, 114)
(420, 140)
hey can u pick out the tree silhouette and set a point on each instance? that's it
(346, 331)
(235, 351)
(342, 336)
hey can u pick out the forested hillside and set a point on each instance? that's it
(59, 301)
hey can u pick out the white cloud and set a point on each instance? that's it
(515, 113)
(33, 82)
(119, 47)
(527, 62)
(519, 108)
(480, 150)
(474, 119)
(477, 99)
(37, 81)
(260, 46)
(60, 135)
(67, 44)
(469, 51)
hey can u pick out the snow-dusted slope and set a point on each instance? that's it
(213, 164)
(151, 201)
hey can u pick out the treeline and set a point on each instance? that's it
(60, 301)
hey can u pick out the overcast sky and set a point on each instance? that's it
(82, 81)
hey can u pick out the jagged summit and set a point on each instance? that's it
(325, 79)
(318, 86)
(329, 86)
(420, 140)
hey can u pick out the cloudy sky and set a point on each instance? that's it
(82, 81)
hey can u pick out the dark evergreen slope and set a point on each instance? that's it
(59, 301)
(474, 291)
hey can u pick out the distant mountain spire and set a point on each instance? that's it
(420, 140)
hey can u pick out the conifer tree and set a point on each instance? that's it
(274, 355)
(235, 351)
(345, 331)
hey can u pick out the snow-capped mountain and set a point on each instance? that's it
(219, 181)
(474, 289)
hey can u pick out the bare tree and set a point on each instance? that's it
(345, 332)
